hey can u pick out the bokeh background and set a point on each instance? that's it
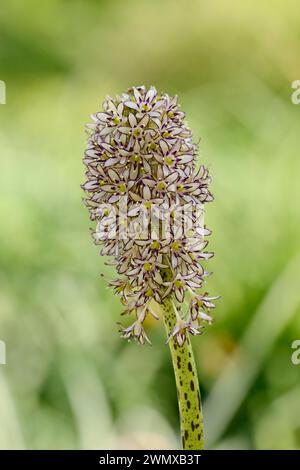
(70, 382)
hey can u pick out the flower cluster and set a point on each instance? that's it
(146, 195)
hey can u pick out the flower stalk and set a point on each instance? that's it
(187, 384)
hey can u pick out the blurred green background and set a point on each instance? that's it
(70, 382)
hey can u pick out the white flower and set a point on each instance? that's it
(181, 329)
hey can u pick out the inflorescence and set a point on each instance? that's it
(146, 195)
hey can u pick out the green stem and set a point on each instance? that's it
(188, 391)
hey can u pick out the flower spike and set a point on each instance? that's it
(147, 196)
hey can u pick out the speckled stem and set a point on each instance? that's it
(188, 392)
